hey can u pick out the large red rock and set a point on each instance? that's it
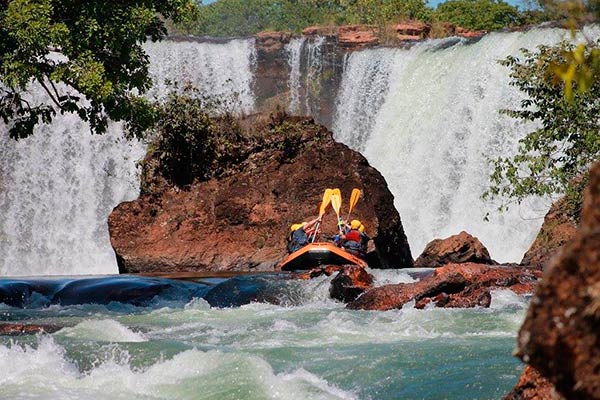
(559, 227)
(239, 220)
(533, 386)
(451, 286)
(457, 249)
(561, 334)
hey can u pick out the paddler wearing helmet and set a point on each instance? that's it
(351, 240)
(299, 235)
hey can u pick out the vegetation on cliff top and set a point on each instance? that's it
(555, 157)
(195, 141)
(247, 17)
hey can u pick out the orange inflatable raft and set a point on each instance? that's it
(316, 254)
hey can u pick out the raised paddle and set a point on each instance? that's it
(354, 197)
(324, 204)
(336, 203)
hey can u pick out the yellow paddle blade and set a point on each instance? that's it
(336, 202)
(354, 199)
(326, 201)
(338, 193)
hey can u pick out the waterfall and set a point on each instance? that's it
(58, 187)
(428, 119)
(219, 70)
(294, 52)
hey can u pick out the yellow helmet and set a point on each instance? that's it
(295, 227)
(355, 224)
(361, 228)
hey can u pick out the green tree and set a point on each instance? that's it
(86, 55)
(553, 158)
(486, 15)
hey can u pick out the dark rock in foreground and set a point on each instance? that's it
(561, 334)
(451, 286)
(457, 249)
(239, 220)
(349, 283)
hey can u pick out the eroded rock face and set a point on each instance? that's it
(560, 336)
(457, 249)
(272, 68)
(349, 283)
(451, 286)
(240, 219)
(558, 229)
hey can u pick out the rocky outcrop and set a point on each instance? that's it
(14, 329)
(349, 283)
(357, 36)
(560, 336)
(412, 30)
(239, 219)
(532, 386)
(558, 228)
(457, 249)
(451, 286)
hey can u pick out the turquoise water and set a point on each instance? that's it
(307, 347)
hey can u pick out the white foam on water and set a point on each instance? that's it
(46, 373)
(390, 276)
(106, 330)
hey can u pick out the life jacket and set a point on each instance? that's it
(352, 242)
(296, 240)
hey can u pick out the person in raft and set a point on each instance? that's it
(300, 234)
(364, 240)
(351, 240)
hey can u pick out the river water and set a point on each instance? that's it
(306, 347)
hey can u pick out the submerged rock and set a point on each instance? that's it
(560, 336)
(14, 329)
(239, 219)
(457, 249)
(451, 286)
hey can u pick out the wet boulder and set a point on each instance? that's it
(349, 283)
(452, 286)
(127, 290)
(456, 249)
(242, 290)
